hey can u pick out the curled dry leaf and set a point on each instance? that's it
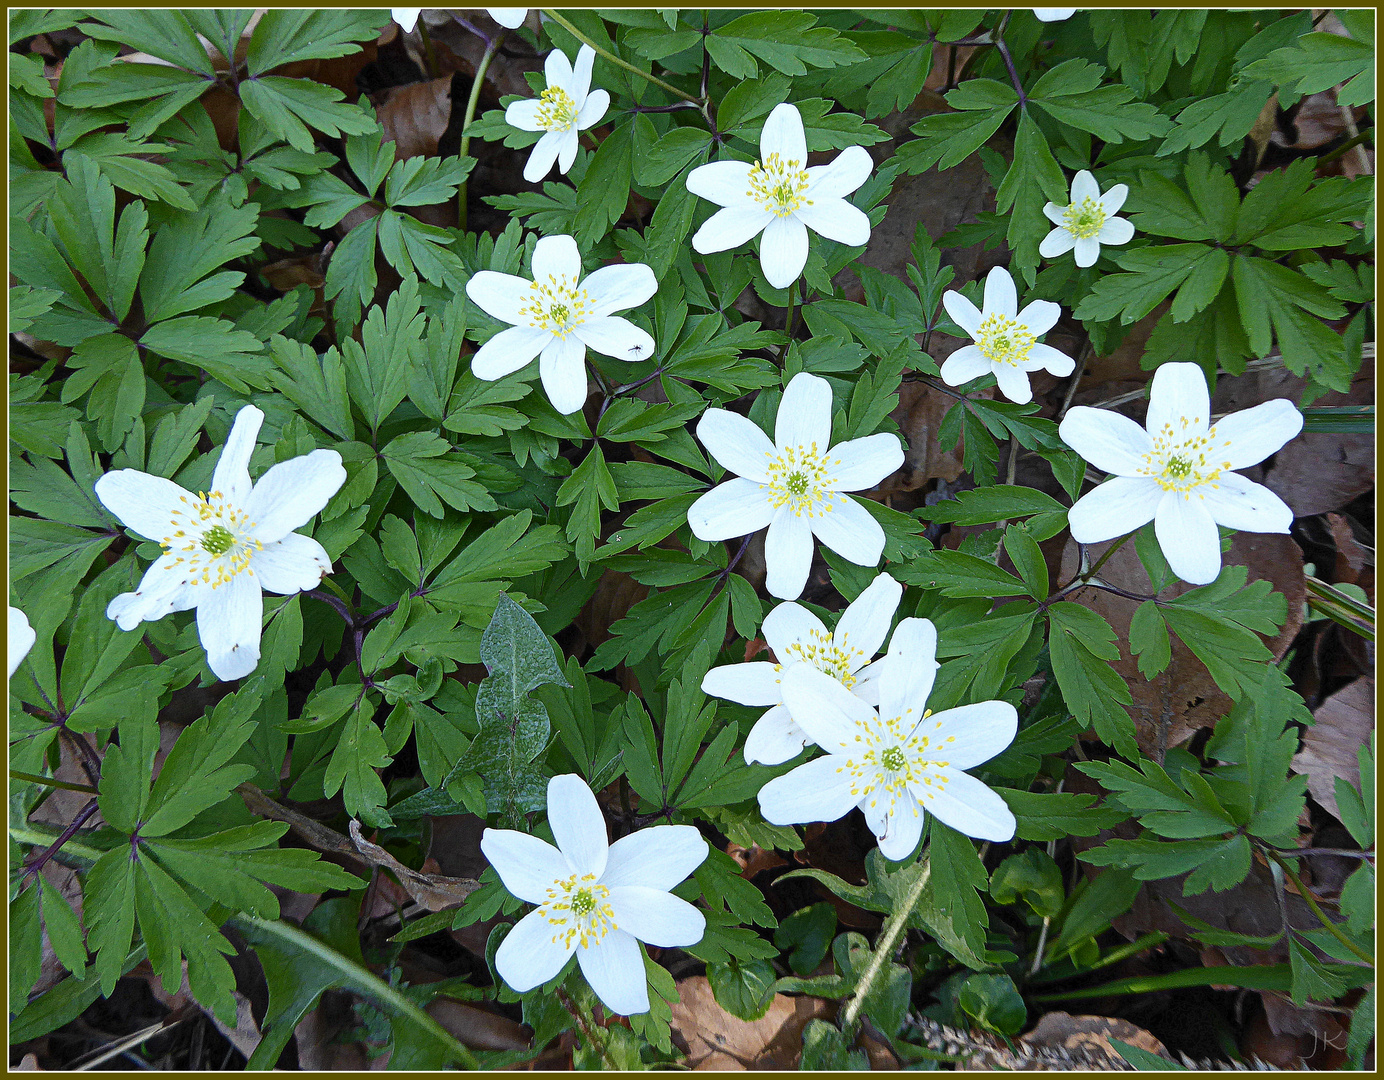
(435, 892)
(1330, 747)
(713, 1039)
(417, 116)
(479, 1029)
(1079, 1035)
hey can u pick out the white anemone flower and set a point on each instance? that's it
(895, 761)
(1087, 222)
(782, 197)
(222, 548)
(406, 17)
(566, 107)
(19, 639)
(794, 485)
(511, 18)
(1053, 14)
(1006, 339)
(557, 315)
(596, 898)
(797, 635)
(1176, 471)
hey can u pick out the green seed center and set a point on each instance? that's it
(1084, 219)
(217, 540)
(583, 903)
(1178, 467)
(893, 759)
(797, 483)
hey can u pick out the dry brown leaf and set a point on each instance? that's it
(416, 117)
(919, 415)
(1351, 552)
(1078, 1034)
(714, 1039)
(28, 1063)
(1330, 747)
(435, 892)
(479, 1029)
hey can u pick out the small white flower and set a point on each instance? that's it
(557, 315)
(1176, 471)
(223, 547)
(1053, 14)
(1006, 339)
(19, 639)
(782, 197)
(1087, 222)
(898, 760)
(794, 487)
(511, 18)
(406, 17)
(566, 107)
(797, 635)
(598, 898)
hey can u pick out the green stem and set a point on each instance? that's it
(792, 313)
(884, 948)
(428, 54)
(557, 18)
(1311, 902)
(1346, 147)
(471, 102)
(48, 781)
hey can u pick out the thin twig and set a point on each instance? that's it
(884, 948)
(1311, 901)
(471, 101)
(83, 816)
(1081, 359)
(585, 1024)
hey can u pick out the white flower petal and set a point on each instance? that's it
(1049, 15)
(407, 18)
(730, 228)
(1111, 442)
(1242, 504)
(1116, 230)
(967, 363)
(1247, 437)
(614, 968)
(511, 18)
(804, 413)
(964, 313)
(865, 623)
(292, 492)
(529, 956)
(290, 565)
(569, 142)
(968, 806)
(841, 176)
(1045, 356)
(614, 335)
(229, 621)
(788, 625)
(861, 464)
(619, 287)
(1013, 383)
(593, 110)
(899, 826)
(1179, 393)
(542, 156)
(726, 183)
(1086, 251)
(163, 590)
(659, 857)
(523, 114)
(1000, 295)
(828, 713)
(737, 443)
(1188, 536)
(508, 351)
(867, 679)
(971, 734)
(736, 508)
(783, 251)
(1055, 214)
(232, 475)
(1112, 200)
(787, 554)
(783, 135)
(143, 503)
(836, 219)
(556, 257)
(561, 366)
(577, 823)
(850, 531)
(1056, 244)
(19, 639)
(500, 296)
(1118, 506)
(557, 70)
(1084, 186)
(1040, 316)
(656, 916)
(775, 738)
(820, 790)
(754, 683)
(527, 865)
(909, 672)
(581, 75)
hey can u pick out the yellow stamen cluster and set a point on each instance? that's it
(1084, 219)
(799, 478)
(556, 110)
(824, 654)
(556, 306)
(579, 908)
(1003, 340)
(779, 186)
(211, 540)
(888, 758)
(1180, 460)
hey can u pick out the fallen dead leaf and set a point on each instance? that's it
(479, 1029)
(1092, 1034)
(1329, 748)
(417, 116)
(713, 1039)
(919, 415)
(436, 892)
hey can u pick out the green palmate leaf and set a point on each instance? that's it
(1218, 864)
(947, 139)
(1273, 296)
(950, 905)
(1051, 816)
(605, 189)
(1071, 93)
(789, 41)
(289, 107)
(1082, 645)
(432, 474)
(1319, 61)
(590, 488)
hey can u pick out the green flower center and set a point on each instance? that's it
(798, 479)
(1084, 219)
(779, 186)
(217, 540)
(893, 758)
(797, 483)
(1178, 468)
(1003, 340)
(583, 903)
(556, 110)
